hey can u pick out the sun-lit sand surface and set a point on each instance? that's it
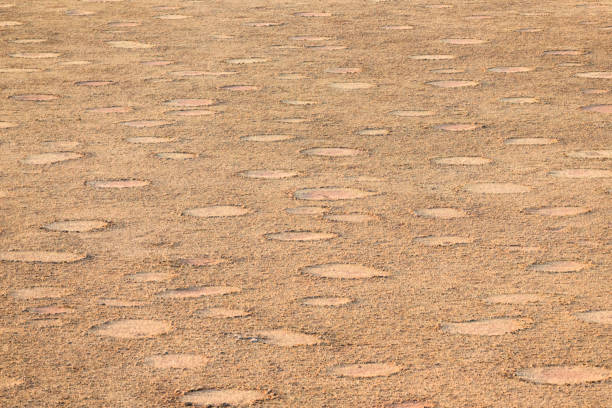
(305, 204)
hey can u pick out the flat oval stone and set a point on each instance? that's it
(221, 398)
(561, 375)
(344, 271)
(331, 194)
(51, 158)
(217, 211)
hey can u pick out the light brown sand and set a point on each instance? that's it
(305, 204)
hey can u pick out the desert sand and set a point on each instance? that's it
(305, 204)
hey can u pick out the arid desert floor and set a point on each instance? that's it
(305, 204)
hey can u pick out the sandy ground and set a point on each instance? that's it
(315, 204)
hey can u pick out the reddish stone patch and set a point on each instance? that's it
(120, 183)
(267, 138)
(515, 299)
(332, 152)
(287, 338)
(132, 328)
(226, 397)
(217, 211)
(301, 236)
(51, 158)
(149, 140)
(562, 375)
